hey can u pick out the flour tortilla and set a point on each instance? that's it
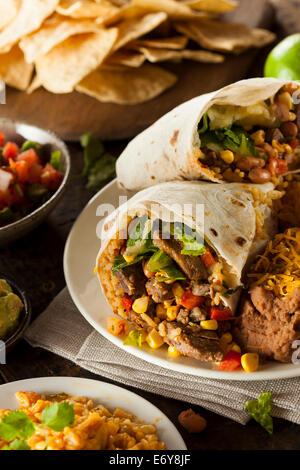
(169, 149)
(230, 220)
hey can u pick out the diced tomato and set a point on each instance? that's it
(10, 150)
(22, 171)
(231, 361)
(14, 195)
(2, 139)
(293, 143)
(51, 178)
(277, 166)
(208, 258)
(35, 173)
(220, 314)
(127, 303)
(30, 156)
(115, 326)
(189, 300)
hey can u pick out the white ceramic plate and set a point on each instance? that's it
(101, 392)
(79, 262)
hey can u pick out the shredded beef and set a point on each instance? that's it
(132, 279)
(192, 266)
(159, 291)
(195, 342)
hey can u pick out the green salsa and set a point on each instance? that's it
(10, 308)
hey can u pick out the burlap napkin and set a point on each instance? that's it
(62, 330)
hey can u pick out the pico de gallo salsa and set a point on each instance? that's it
(28, 178)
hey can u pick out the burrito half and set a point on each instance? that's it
(173, 276)
(245, 132)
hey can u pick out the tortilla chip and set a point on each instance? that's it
(126, 12)
(127, 86)
(126, 58)
(29, 18)
(86, 8)
(53, 32)
(160, 55)
(66, 64)
(34, 85)
(178, 42)
(174, 9)
(14, 71)
(225, 37)
(134, 28)
(213, 6)
(8, 11)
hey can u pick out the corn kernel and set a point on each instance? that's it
(287, 148)
(209, 324)
(259, 137)
(129, 258)
(172, 312)
(172, 352)
(177, 290)
(148, 320)
(286, 98)
(226, 338)
(227, 156)
(154, 339)
(250, 362)
(235, 347)
(161, 311)
(140, 305)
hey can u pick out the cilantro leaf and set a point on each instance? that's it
(16, 424)
(93, 150)
(260, 410)
(230, 292)
(55, 160)
(19, 444)
(120, 262)
(134, 338)
(58, 415)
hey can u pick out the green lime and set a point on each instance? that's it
(284, 60)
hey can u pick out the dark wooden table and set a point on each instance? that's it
(36, 263)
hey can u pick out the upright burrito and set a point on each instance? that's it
(245, 132)
(175, 274)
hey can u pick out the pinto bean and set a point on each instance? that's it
(281, 111)
(289, 129)
(259, 175)
(191, 421)
(247, 163)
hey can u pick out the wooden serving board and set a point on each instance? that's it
(70, 115)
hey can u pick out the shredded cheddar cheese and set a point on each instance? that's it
(278, 269)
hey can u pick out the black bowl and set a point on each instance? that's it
(25, 315)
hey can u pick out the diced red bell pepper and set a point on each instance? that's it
(2, 139)
(277, 166)
(127, 303)
(208, 258)
(220, 314)
(10, 150)
(189, 300)
(51, 178)
(30, 156)
(293, 143)
(231, 361)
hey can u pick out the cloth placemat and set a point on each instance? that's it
(61, 329)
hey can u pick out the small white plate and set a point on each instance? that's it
(108, 395)
(79, 262)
